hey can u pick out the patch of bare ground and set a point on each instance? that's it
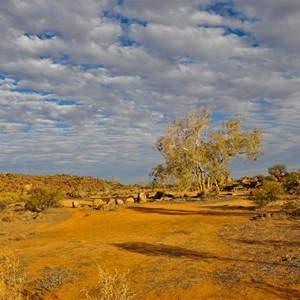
(267, 257)
(194, 250)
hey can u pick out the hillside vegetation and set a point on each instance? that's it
(71, 185)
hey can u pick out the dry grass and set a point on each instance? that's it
(110, 286)
(12, 278)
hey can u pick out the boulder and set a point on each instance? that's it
(142, 198)
(111, 201)
(129, 200)
(75, 204)
(98, 202)
(108, 207)
(119, 202)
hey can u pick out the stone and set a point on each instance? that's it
(120, 202)
(108, 207)
(75, 204)
(142, 198)
(129, 200)
(111, 201)
(98, 202)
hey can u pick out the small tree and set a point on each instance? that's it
(268, 192)
(42, 198)
(291, 183)
(278, 170)
(197, 155)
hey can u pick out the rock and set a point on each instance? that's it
(142, 198)
(38, 216)
(75, 204)
(159, 194)
(120, 202)
(129, 200)
(98, 202)
(108, 207)
(111, 201)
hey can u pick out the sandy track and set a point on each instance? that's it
(171, 251)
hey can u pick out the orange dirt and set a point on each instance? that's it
(171, 251)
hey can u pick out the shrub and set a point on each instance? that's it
(9, 197)
(291, 183)
(42, 198)
(12, 278)
(292, 208)
(111, 286)
(268, 192)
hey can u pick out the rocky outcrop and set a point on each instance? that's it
(142, 197)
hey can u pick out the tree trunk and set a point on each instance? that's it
(204, 189)
(217, 187)
(208, 183)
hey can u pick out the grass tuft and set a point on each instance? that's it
(12, 278)
(111, 286)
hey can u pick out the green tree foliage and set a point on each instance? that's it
(278, 170)
(268, 192)
(196, 154)
(291, 183)
(42, 198)
(159, 175)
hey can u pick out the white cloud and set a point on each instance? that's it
(86, 86)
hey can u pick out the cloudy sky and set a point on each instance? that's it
(86, 86)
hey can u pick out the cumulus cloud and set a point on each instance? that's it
(87, 86)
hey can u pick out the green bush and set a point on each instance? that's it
(9, 197)
(42, 198)
(267, 193)
(291, 183)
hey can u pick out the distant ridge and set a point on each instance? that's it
(69, 184)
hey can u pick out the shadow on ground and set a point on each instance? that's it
(176, 252)
(178, 212)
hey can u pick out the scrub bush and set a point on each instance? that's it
(268, 192)
(42, 198)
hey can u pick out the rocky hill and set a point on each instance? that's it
(71, 185)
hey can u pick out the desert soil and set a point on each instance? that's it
(170, 250)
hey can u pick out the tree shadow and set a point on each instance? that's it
(163, 250)
(178, 252)
(178, 212)
(231, 207)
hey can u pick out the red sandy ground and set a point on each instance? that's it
(171, 251)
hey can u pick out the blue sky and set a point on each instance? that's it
(87, 86)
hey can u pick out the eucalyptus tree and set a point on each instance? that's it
(197, 154)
